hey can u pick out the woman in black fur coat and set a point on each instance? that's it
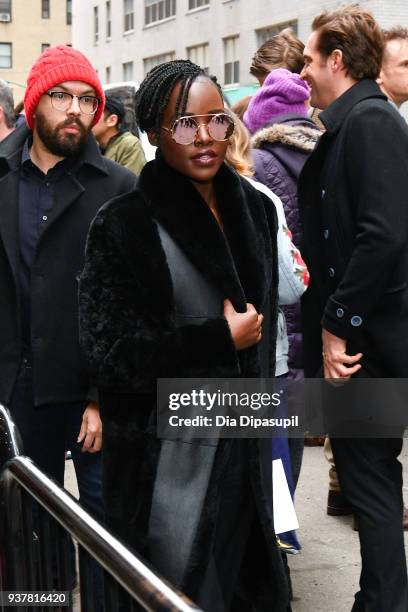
(201, 513)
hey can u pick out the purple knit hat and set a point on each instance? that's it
(282, 93)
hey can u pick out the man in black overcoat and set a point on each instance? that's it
(353, 196)
(53, 180)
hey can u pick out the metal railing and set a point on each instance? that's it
(38, 519)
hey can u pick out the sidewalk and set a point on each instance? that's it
(325, 574)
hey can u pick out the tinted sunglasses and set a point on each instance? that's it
(185, 129)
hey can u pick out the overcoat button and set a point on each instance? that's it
(326, 234)
(340, 313)
(356, 321)
(331, 272)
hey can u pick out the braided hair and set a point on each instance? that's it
(155, 90)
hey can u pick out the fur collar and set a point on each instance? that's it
(238, 260)
(297, 136)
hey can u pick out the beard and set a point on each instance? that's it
(58, 142)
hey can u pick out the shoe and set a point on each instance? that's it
(314, 440)
(337, 504)
(284, 547)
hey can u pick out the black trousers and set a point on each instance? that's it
(370, 476)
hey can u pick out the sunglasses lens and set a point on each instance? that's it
(221, 127)
(184, 130)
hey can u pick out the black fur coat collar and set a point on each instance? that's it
(239, 263)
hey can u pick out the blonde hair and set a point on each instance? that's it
(239, 148)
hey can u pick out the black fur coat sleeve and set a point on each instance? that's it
(127, 322)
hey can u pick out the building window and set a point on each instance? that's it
(128, 71)
(5, 55)
(44, 46)
(108, 21)
(69, 12)
(45, 9)
(128, 23)
(157, 10)
(107, 74)
(231, 61)
(271, 31)
(151, 62)
(5, 11)
(193, 4)
(200, 55)
(96, 24)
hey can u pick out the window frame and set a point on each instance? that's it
(7, 11)
(68, 10)
(128, 17)
(156, 11)
(10, 45)
(197, 4)
(192, 55)
(126, 77)
(45, 12)
(96, 24)
(108, 19)
(232, 67)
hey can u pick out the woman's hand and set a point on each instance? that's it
(246, 327)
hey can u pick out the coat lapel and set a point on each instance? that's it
(9, 217)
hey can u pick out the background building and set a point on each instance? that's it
(125, 38)
(26, 28)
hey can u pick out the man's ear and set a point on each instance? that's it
(336, 60)
(112, 120)
(153, 138)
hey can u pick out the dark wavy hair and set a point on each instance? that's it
(355, 32)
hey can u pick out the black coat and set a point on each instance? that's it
(60, 371)
(129, 334)
(353, 197)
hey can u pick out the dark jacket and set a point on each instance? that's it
(60, 371)
(354, 204)
(280, 150)
(129, 332)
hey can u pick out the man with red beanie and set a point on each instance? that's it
(53, 181)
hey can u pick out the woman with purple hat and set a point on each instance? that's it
(282, 138)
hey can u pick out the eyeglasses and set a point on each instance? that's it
(62, 101)
(185, 129)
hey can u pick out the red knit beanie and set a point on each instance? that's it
(57, 65)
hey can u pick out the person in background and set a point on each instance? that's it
(393, 81)
(19, 114)
(115, 141)
(284, 50)
(240, 107)
(54, 180)
(352, 198)
(282, 139)
(293, 281)
(393, 78)
(7, 119)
